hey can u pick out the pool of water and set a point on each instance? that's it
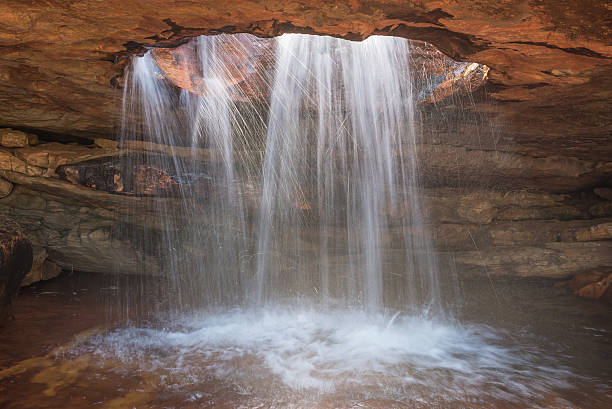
(513, 343)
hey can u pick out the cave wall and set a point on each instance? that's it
(61, 62)
(544, 208)
(513, 216)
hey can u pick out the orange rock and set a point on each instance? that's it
(581, 280)
(244, 59)
(595, 290)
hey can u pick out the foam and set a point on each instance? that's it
(333, 351)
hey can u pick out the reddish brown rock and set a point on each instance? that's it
(123, 175)
(596, 290)
(595, 285)
(550, 61)
(581, 280)
(15, 262)
(42, 269)
(10, 138)
(604, 192)
(51, 155)
(6, 188)
(246, 62)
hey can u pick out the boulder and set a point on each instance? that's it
(107, 144)
(11, 163)
(15, 262)
(11, 138)
(596, 285)
(604, 192)
(6, 188)
(42, 269)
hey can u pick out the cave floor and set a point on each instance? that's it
(48, 358)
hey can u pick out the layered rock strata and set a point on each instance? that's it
(550, 62)
(73, 204)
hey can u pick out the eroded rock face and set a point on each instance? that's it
(244, 64)
(550, 61)
(492, 213)
(15, 262)
(6, 188)
(549, 91)
(245, 69)
(42, 269)
(130, 176)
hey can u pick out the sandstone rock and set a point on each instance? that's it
(566, 212)
(11, 138)
(594, 285)
(461, 205)
(15, 261)
(78, 235)
(9, 162)
(602, 231)
(446, 165)
(246, 62)
(517, 234)
(581, 280)
(107, 144)
(53, 154)
(125, 176)
(475, 210)
(450, 78)
(603, 209)
(42, 269)
(550, 74)
(604, 193)
(6, 188)
(553, 260)
(32, 139)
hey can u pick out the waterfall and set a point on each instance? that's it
(338, 217)
(340, 148)
(286, 213)
(203, 227)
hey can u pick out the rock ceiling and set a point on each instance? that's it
(550, 79)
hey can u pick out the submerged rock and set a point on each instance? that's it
(596, 285)
(15, 262)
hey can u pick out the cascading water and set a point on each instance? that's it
(295, 243)
(198, 131)
(340, 148)
(339, 178)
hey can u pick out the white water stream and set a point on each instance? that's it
(323, 287)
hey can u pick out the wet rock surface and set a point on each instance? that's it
(593, 284)
(42, 269)
(15, 262)
(531, 197)
(89, 208)
(129, 176)
(549, 61)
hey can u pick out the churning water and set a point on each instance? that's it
(284, 353)
(296, 231)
